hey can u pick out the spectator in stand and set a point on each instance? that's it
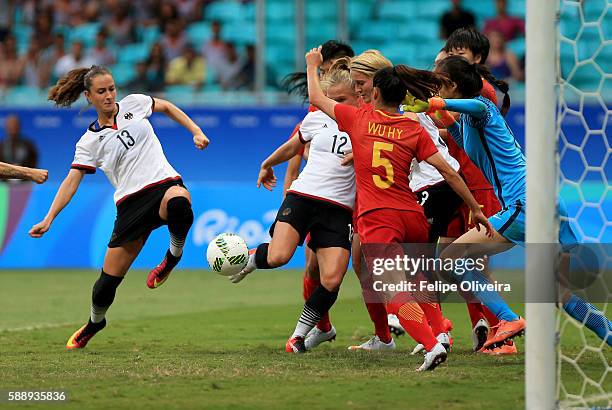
(187, 69)
(50, 57)
(43, 30)
(141, 82)
(246, 77)
(189, 10)
(215, 50)
(5, 18)
(156, 67)
(32, 65)
(165, 12)
(230, 70)
(14, 148)
(454, 19)
(121, 26)
(10, 68)
(174, 40)
(503, 63)
(510, 27)
(75, 59)
(100, 54)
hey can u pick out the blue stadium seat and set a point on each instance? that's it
(149, 34)
(569, 26)
(133, 53)
(240, 32)
(586, 78)
(482, 9)
(397, 11)
(379, 31)
(279, 11)
(281, 33)
(593, 9)
(316, 35)
(399, 52)
(517, 8)
(358, 12)
(123, 73)
(604, 58)
(24, 95)
(225, 11)
(85, 33)
(517, 46)
(419, 29)
(199, 33)
(318, 11)
(431, 9)
(588, 42)
(361, 46)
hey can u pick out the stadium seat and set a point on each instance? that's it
(588, 42)
(419, 29)
(395, 10)
(399, 52)
(377, 31)
(281, 33)
(24, 95)
(593, 9)
(123, 73)
(432, 10)
(240, 32)
(482, 9)
(586, 78)
(199, 33)
(279, 11)
(149, 34)
(85, 33)
(569, 27)
(320, 33)
(358, 12)
(517, 46)
(517, 8)
(318, 11)
(225, 11)
(133, 53)
(604, 59)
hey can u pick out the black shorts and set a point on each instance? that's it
(329, 225)
(441, 205)
(138, 215)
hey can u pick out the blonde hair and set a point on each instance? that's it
(338, 73)
(369, 62)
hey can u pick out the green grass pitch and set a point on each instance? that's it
(202, 342)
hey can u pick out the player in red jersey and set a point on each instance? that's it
(384, 144)
(8, 171)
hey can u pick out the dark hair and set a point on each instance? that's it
(394, 82)
(468, 78)
(471, 39)
(68, 89)
(297, 84)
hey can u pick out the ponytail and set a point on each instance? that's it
(296, 84)
(501, 85)
(395, 82)
(68, 89)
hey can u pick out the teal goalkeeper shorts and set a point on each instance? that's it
(510, 223)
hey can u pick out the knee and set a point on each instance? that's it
(179, 211)
(332, 282)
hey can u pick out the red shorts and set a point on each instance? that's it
(463, 221)
(393, 226)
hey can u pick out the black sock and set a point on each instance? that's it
(103, 295)
(261, 256)
(317, 305)
(180, 219)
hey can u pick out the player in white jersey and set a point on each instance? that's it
(149, 193)
(320, 202)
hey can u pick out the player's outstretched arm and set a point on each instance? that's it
(200, 140)
(456, 182)
(315, 94)
(62, 198)
(283, 153)
(8, 171)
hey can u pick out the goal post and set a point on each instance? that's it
(541, 215)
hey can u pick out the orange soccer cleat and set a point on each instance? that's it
(508, 348)
(504, 331)
(79, 339)
(295, 345)
(161, 272)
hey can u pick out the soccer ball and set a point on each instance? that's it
(227, 254)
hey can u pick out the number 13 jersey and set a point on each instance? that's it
(129, 152)
(324, 177)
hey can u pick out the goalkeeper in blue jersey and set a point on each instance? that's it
(487, 139)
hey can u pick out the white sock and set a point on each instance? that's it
(176, 245)
(97, 313)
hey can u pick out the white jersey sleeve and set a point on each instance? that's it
(422, 174)
(84, 158)
(324, 177)
(141, 103)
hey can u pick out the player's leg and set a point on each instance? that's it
(474, 244)
(175, 210)
(117, 261)
(376, 308)
(333, 263)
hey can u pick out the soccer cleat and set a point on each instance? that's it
(395, 327)
(505, 331)
(448, 325)
(250, 267)
(316, 336)
(480, 332)
(444, 338)
(374, 344)
(295, 345)
(508, 348)
(79, 339)
(434, 358)
(161, 272)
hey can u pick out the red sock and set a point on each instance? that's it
(493, 320)
(413, 320)
(433, 313)
(475, 312)
(309, 286)
(378, 314)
